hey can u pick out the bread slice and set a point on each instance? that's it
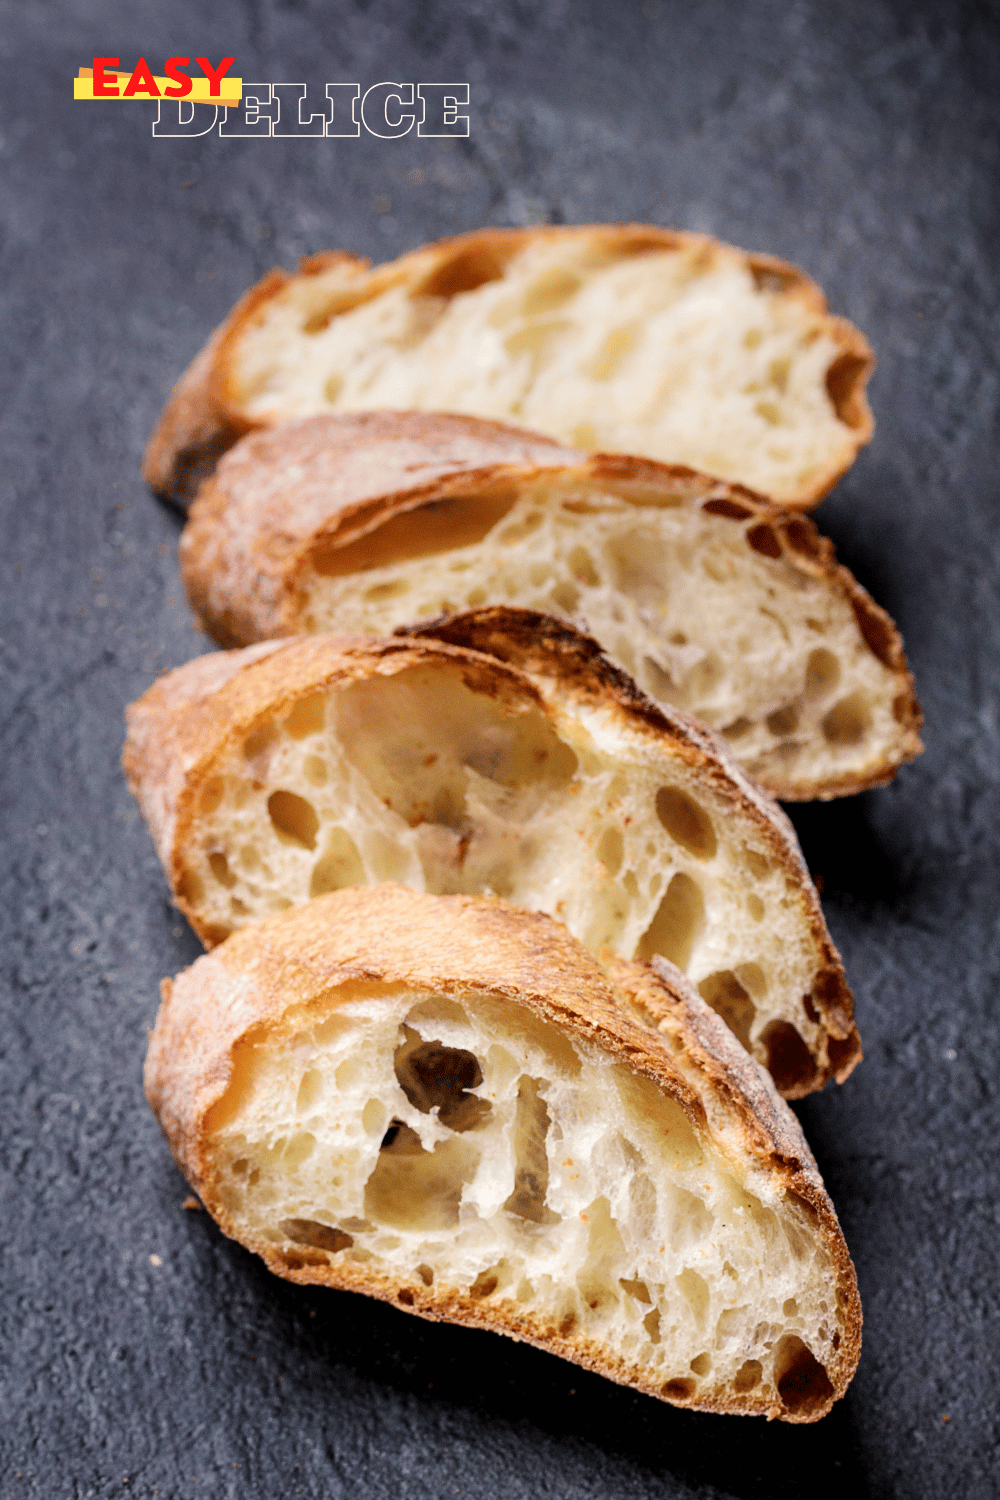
(278, 773)
(627, 338)
(446, 1103)
(713, 599)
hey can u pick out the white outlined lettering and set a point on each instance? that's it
(441, 101)
(387, 110)
(375, 107)
(254, 115)
(292, 119)
(189, 119)
(343, 119)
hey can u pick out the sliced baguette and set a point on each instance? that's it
(275, 774)
(628, 338)
(446, 1103)
(713, 599)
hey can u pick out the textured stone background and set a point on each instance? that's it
(859, 139)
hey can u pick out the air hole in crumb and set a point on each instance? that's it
(822, 672)
(426, 1274)
(841, 1051)
(747, 1377)
(803, 536)
(757, 864)
(485, 1284)
(789, 1060)
(531, 1170)
(844, 387)
(550, 291)
(737, 729)
(299, 1149)
(848, 721)
(790, 1308)
(406, 1297)
(732, 509)
(604, 1251)
(611, 850)
(339, 866)
(784, 720)
(315, 770)
(616, 347)
(433, 1076)
(320, 1236)
(637, 1289)
(678, 1390)
(751, 977)
(651, 1323)
(730, 1001)
(307, 717)
(294, 819)
(695, 1290)
(211, 794)
(678, 922)
(755, 907)
(219, 865)
(463, 272)
(259, 741)
(415, 1189)
(687, 823)
(310, 1089)
(533, 338)
(190, 888)
(764, 539)
(802, 1382)
(701, 1364)
(391, 590)
(566, 596)
(583, 568)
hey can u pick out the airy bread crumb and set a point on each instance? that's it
(275, 774)
(628, 339)
(714, 600)
(446, 1103)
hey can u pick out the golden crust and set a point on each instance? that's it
(324, 482)
(283, 496)
(203, 417)
(189, 719)
(310, 958)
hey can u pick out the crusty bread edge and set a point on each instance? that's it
(200, 1024)
(575, 663)
(174, 742)
(284, 556)
(202, 419)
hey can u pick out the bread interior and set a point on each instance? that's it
(433, 779)
(459, 1144)
(706, 612)
(685, 354)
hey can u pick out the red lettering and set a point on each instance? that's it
(174, 72)
(141, 82)
(214, 75)
(103, 88)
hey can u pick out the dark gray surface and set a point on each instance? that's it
(858, 139)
